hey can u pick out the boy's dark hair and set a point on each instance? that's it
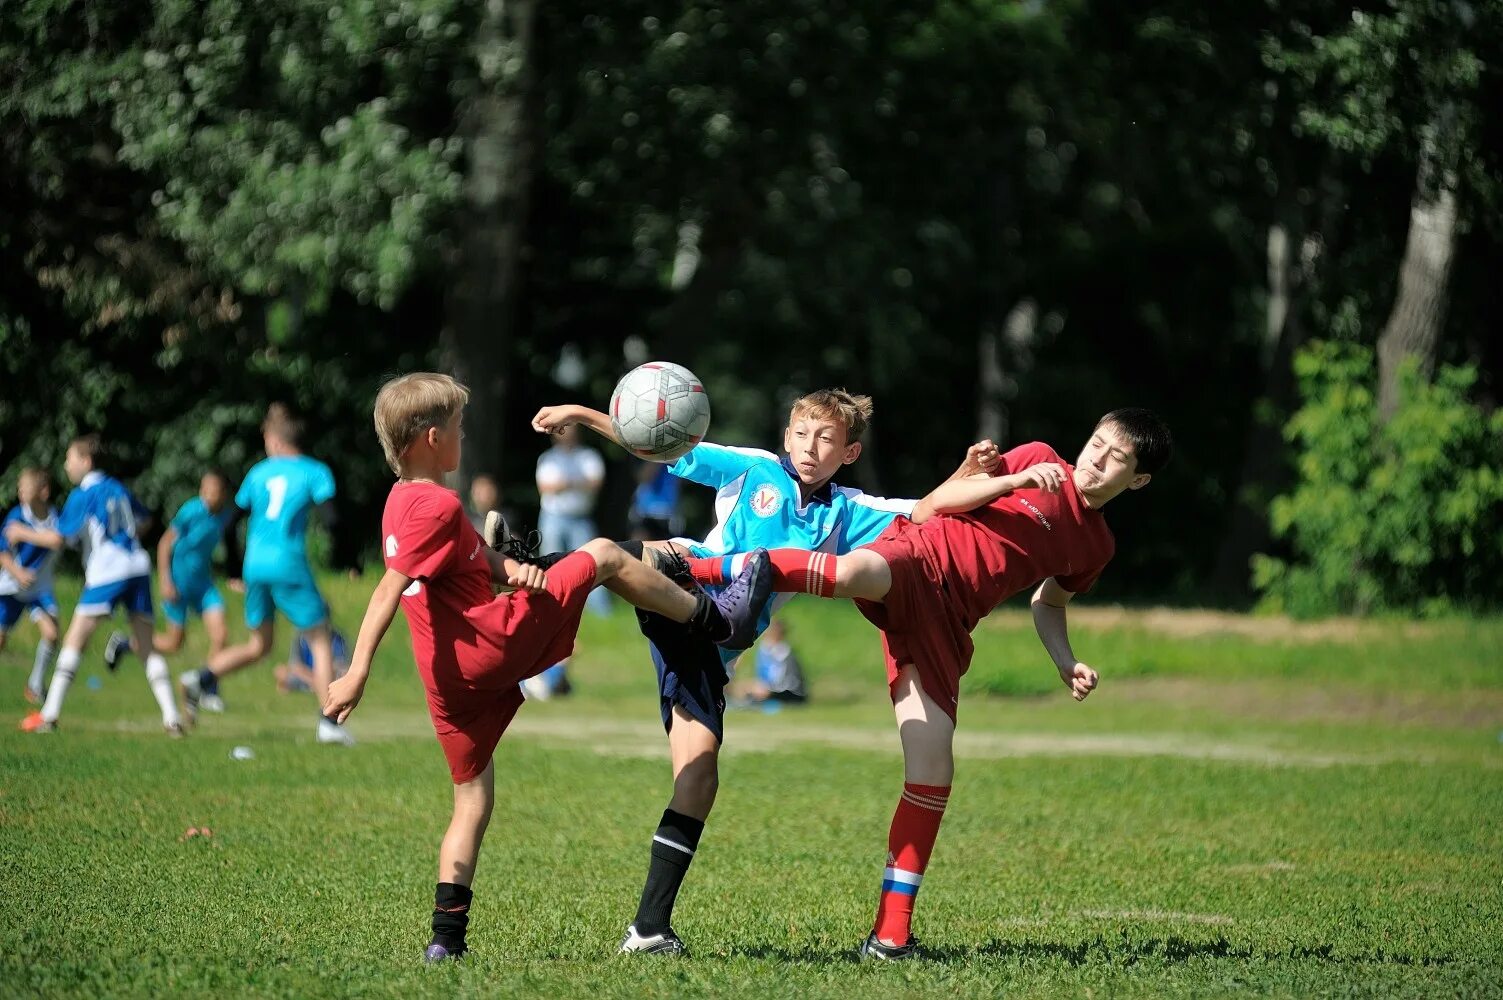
(282, 423)
(89, 445)
(1152, 444)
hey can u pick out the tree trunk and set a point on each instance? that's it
(999, 350)
(484, 293)
(1419, 309)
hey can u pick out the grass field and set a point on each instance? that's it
(1244, 807)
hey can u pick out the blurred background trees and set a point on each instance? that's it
(999, 218)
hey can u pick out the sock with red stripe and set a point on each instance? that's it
(915, 825)
(794, 571)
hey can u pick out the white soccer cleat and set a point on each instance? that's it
(334, 734)
(211, 703)
(666, 943)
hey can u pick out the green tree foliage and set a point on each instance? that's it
(1405, 515)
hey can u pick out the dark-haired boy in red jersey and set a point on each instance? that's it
(926, 585)
(473, 648)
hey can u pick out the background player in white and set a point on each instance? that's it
(278, 492)
(102, 515)
(26, 577)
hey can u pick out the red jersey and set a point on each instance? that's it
(457, 623)
(991, 553)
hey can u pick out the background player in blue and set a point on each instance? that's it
(759, 499)
(185, 580)
(26, 576)
(278, 493)
(101, 515)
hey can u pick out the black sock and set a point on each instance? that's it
(707, 619)
(673, 849)
(208, 681)
(451, 914)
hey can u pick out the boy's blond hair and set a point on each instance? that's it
(410, 404)
(835, 404)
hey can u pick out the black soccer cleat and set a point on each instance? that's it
(524, 549)
(743, 600)
(872, 949)
(675, 566)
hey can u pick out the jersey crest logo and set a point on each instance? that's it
(766, 500)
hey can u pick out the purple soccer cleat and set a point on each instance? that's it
(439, 953)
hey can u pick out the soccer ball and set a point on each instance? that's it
(659, 411)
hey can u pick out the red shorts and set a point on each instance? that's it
(538, 631)
(920, 625)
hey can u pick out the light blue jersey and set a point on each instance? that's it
(756, 506)
(101, 515)
(278, 493)
(198, 534)
(33, 558)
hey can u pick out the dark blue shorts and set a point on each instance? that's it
(690, 673)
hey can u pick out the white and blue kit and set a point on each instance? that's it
(100, 515)
(756, 506)
(37, 597)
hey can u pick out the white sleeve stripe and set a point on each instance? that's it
(897, 505)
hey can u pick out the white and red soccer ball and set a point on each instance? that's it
(659, 411)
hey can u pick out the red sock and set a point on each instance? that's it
(794, 571)
(915, 825)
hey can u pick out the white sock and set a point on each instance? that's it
(67, 666)
(39, 666)
(160, 680)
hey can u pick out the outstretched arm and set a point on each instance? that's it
(344, 694)
(1049, 603)
(551, 419)
(19, 573)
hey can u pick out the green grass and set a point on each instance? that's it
(1272, 814)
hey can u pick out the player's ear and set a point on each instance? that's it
(1139, 481)
(852, 452)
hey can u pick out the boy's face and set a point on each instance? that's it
(31, 489)
(77, 465)
(212, 491)
(817, 448)
(1107, 466)
(446, 442)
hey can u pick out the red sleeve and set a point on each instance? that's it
(424, 540)
(1025, 456)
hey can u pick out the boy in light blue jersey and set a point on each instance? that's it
(26, 576)
(761, 500)
(101, 515)
(278, 493)
(185, 559)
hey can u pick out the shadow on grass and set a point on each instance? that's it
(1106, 951)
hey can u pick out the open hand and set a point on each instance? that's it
(1046, 476)
(24, 577)
(344, 694)
(1080, 679)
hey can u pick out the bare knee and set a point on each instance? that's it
(609, 557)
(170, 641)
(695, 786)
